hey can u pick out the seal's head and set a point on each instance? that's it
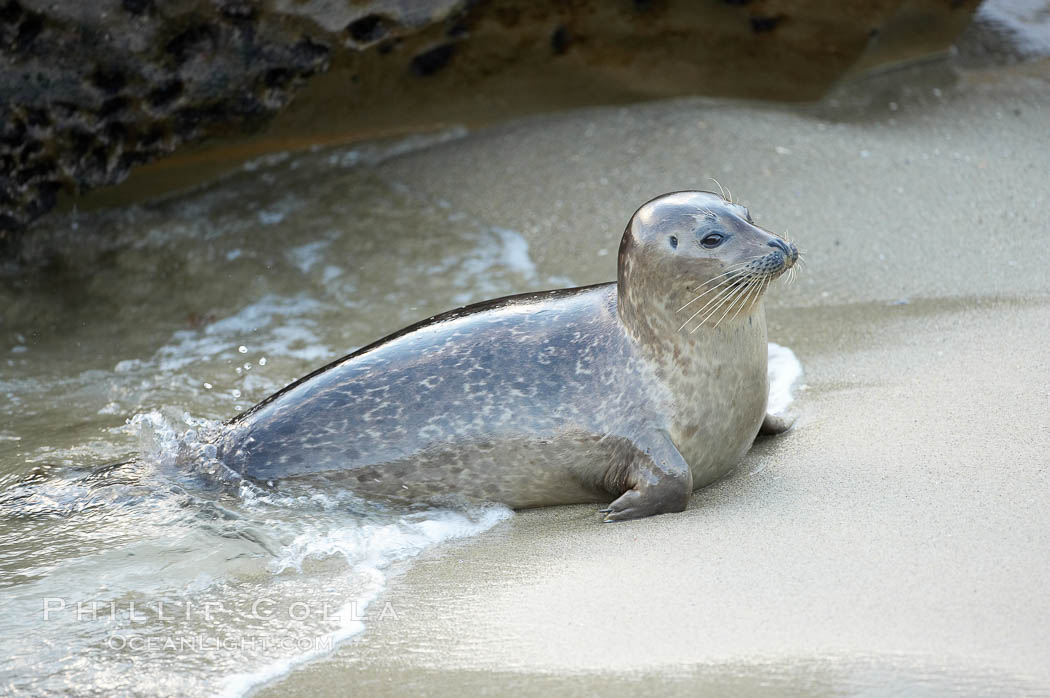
(696, 251)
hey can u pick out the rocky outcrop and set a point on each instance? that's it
(88, 90)
(91, 89)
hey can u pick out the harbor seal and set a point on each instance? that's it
(639, 391)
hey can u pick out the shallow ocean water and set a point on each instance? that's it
(120, 552)
(131, 563)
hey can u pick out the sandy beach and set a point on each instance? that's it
(896, 541)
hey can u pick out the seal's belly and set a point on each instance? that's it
(519, 472)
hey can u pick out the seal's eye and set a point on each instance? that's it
(713, 240)
(674, 242)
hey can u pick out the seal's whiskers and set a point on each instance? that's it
(733, 271)
(732, 275)
(714, 304)
(718, 307)
(740, 296)
(733, 301)
(730, 270)
(717, 300)
(741, 292)
(747, 299)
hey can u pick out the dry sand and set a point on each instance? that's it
(898, 539)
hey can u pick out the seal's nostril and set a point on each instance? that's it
(780, 245)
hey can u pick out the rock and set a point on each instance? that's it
(91, 90)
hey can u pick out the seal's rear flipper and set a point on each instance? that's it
(773, 424)
(658, 479)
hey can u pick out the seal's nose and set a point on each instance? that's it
(789, 249)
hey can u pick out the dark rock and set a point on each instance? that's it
(765, 24)
(108, 80)
(90, 90)
(367, 29)
(199, 37)
(432, 60)
(238, 10)
(137, 7)
(28, 31)
(10, 12)
(560, 40)
(164, 95)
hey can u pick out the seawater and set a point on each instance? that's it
(130, 562)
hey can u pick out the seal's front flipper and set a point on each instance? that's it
(773, 424)
(658, 481)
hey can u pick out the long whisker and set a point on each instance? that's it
(760, 289)
(731, 274)
(715, 304)
(747, 300)
(720, 189)
(727, 272)
(714, 310)
(730, 270)
(714, 288)
(721, 295)
(739, 302)
(756, 282)
(739, 296)
(711, 306)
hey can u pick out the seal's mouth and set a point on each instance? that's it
(781, 259)
(739, 288)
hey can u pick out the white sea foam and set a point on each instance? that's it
(305, 257)
(374, 545)
(498, 261)
(369, 549)
(784, 371)
(1026, 21)
(515, 252)
(289, 322)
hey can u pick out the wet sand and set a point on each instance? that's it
(897, 540)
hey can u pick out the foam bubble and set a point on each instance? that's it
(784, 371)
